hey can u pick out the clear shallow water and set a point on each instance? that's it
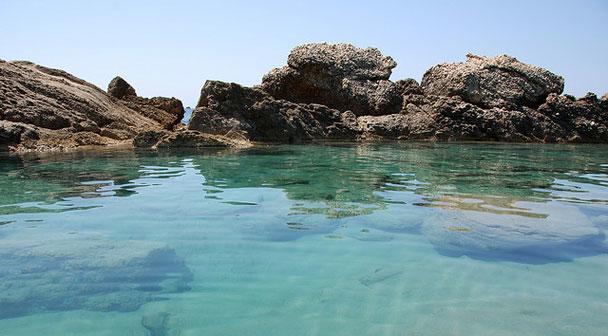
(416, 239)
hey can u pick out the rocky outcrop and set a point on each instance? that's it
(342, 92)
(339, 76)
(228, 109)
(45, 109)
(489, 82)
(326, 91)
(168, 112)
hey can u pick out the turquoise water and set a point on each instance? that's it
(379, 239)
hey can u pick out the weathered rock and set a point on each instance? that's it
(580, 120)
(488, 82)
(225, 108)
(409, 86)
(119, 88)
(339, 76)
(45, 109)
(162, 139)
(153, 108)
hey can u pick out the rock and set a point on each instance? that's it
(152, 108)
(581, 120)
(56, 110)
(226, 108)
(156, 324)
(339, 76)
(408, 87)
(488, 82)
(515, 237)
(119, 88)
(186, 139)
(40, 271)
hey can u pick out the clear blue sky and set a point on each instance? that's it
(171, 47)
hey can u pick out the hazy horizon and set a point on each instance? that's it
(170, 49)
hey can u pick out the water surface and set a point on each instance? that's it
(368, 239)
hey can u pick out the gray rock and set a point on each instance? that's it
(339, 76)
(488, 82)
(342, 60)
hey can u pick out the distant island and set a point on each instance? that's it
(325, 92)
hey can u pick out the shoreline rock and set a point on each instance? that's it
(325, 92)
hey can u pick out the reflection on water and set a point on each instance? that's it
(213, 222)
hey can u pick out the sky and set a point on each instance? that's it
(169, 48)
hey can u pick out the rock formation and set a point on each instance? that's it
(150, 107)
(488, 82)
(326, 91)
(342, 92)
(43, 108)
(96, 274)
(228, 108)
(339, 76)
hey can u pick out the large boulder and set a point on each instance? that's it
(488, 82)
(119, 88)
(46, 109)
(228, 108)
(339, 76)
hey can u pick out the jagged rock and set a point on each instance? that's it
(580, 120)
(150, 107)
(339, 76)
(119, 88)
(409, 86)
(56, 110)
(225, 108)
(186, 139)
(488, 82)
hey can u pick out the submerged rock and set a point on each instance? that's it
(156, 324)
(63, 272)
(543, 234)
(339, 76)
(488, 82)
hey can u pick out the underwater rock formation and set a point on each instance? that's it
(39, 273)
(156, 324)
